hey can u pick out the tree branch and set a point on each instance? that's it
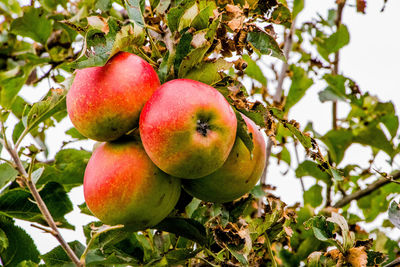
(394, 263)
(38, 199)
(335, 69)
(364, 192)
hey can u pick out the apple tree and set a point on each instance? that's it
(263, 62)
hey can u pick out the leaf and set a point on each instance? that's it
(201, 21)
(73, 132)
(182, 49)
(17, 203)
(310, 168)
(37, 174)
(281, 15)
(68, 169)
(265, 44)
(209, 72)
(361, 5)
(239, 256)
(337, 142)
(187, 228)
(298, 6)
(300, 83)
(84, 209)
(57, 257)
(254, 71)
(32, 24)
(304, 140)
(313, 196)
(244, 134)
(7, 174)
(27, 264)
(337, 40)
(180, 255)
(17, 239)
(348, 237)
(394, 214)
(322, 229)
(375, 257)
(174, 15)
(357, 257)
(373, 136)
(44, 109)
(192, 59)
(188, 17)
(135, 9)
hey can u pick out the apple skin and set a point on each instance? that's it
(104, 103)
(123, 186)
(239, 174)
(187, 128)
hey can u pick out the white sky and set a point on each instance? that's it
(371, 59)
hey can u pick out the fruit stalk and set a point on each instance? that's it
(38, 199)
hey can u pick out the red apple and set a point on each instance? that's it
(237, 176)
(105, 102)
(123, 186)
(187, 128)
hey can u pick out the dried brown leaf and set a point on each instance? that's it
(357, 257)
(361, 5)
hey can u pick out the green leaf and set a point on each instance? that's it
(304, 140)
(300, 83)
(20, 245)
(7, 174)
(180, 255)
(182, 49)
(57, 257)
(209, 72)
(187, 228)
(73, 132)
(27, 264)
(32, 24)
(322, 229)
(265, 44)
(243, 133)
(43, 110)
(281, 15)
(254, 71)
(239, 256)
(337, 40)
(201, 21)
(174, 15)
(310, 168)
(192, 59)
(313, 196)
(298, 6)
(17, 203)
(4, 243)
(135, 9)
(37, 174)
(373, 136)
(68, 169)
(337, 142)
(394, 214)
(84, 209)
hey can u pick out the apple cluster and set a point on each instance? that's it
(187, 139)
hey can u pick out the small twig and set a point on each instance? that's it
(93, 238)
(50, 231)
(296, 153)
(270, 252)
(364, 192)
(335, 69)
(393, 263)
(328, 195)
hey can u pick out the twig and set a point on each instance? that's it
(270, 252)
(50, 231)
(364, 192)
(93, 238)
(296, 153)
(393, 263)
(38, 199)
(335, 69)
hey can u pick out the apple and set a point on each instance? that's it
(104, 103)
(123, 186)
(187, 128)
(239, 174)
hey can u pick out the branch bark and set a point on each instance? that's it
(364, 192)
(39, 201)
